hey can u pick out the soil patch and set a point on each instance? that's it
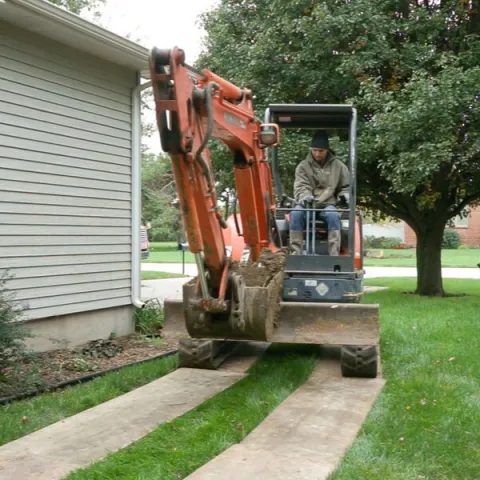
(261, 272)
(267, 271)
(43, 371)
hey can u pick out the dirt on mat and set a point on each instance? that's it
(47, 369)
(261, 272)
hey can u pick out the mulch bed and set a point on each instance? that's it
(44, 371)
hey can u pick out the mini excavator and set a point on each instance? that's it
(248, 286)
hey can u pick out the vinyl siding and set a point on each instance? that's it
(65, 176)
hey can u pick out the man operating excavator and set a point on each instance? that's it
(321, 181)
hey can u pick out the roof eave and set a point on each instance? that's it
(58, 24)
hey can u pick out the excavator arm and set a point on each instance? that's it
(193, 107)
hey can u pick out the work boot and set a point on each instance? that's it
(334, 243)
(296, 242)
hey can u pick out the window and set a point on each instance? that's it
(459, 222)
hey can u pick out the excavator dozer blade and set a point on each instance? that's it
(327, 324)
(308, 322)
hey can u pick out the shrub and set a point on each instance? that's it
(369, 241)
(451, 240)
(149, 319)
(12, 333)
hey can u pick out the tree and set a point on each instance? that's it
(76, 6)
(158, 193)
(411, 70)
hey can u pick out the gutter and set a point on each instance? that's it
(136, 276)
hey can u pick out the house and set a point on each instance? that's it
(468, 229)
(69, 172)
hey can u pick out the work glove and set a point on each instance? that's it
(307, 199)
(345, 199)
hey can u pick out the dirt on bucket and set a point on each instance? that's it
(266, 273)
(261, 272)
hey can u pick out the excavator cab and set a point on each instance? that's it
(315, 276)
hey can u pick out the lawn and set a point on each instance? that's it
(463, 257)
(424, 424)
(166, 252)
(23, 417)
(159, 275)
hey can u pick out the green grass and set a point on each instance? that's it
(462, 257)
(166, 252)
(49, 408)
(177, 448)
(157, 275)
(424, 424)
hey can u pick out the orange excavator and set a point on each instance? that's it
(246, 278)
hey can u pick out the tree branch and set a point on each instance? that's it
(463, 204)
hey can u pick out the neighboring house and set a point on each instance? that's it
(69, 172)
(468, 229)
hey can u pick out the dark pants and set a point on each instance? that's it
(329, 215)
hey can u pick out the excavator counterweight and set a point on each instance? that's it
(248, 286)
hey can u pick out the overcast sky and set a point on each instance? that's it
(160, 23)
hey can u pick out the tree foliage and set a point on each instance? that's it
(158, 192)
(76, 6)
(409, 67)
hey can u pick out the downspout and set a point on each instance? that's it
(136, 276)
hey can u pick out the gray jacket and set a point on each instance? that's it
(325, 182)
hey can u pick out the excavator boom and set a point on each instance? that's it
(193, 107)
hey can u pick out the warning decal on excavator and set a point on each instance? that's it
(322, 289)
(245, 255)
(234, 120)
(310, 283)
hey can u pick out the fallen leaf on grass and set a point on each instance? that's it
(25, 419)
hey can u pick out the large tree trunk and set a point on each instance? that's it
(429, 260)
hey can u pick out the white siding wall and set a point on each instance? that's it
(65, 176)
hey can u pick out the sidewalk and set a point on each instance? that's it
(370, 272)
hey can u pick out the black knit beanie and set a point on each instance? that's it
(320, 140)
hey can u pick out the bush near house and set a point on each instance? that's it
(11, 333)
(369, 241)
(451, 240)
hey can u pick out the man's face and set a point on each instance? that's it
(319, 154)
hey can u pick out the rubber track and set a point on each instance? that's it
(204, 354)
